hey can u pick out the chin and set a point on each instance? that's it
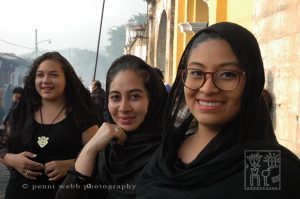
(128, 128)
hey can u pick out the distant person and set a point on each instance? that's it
(17, 93)
(47, 130)
(98, 98)
(161, 76)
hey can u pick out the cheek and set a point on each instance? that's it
(188, 94)
(143, 108)
(37, 83)
(112, 108)
(62, 83)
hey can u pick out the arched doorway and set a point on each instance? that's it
(161, 42)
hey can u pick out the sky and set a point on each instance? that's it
(67, 23)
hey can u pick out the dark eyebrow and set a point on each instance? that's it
(52, 71)
(221, 65)
(130, 91)
(135, 90)
(113, 92)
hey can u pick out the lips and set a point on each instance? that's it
(46, 89)
(209, 105)
(126, 120)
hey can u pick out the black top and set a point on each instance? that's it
(223, 168)
(65, 142)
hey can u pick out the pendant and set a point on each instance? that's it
(42, 141)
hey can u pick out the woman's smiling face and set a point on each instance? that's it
(209, 105)
(128, 100)
(50, 81)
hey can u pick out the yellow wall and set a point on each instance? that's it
(179, 38)
(237, 11)
(240, 12)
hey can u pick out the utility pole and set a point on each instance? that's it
(35, 44)
(99, 37)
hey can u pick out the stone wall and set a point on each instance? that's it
(276, 26)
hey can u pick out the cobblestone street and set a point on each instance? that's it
(4, 175)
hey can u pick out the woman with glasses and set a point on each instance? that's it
(219, 140)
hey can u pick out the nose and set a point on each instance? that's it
(124, 105)
(209, 86)
(45, 79)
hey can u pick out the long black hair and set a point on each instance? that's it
(78, 101)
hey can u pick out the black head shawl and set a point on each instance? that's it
(120, 165)
(250, 129)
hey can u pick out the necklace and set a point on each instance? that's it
(43, 140)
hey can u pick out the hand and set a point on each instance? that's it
(26, 167)
(58, 168)
(86, 159)
(104, 135)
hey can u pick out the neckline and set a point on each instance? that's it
(45, 131)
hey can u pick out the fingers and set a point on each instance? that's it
(49, 166)
(31, 174)
(57, 169)
(30, 164)
(34, 165)
(29, 154)
(120, 135)
(55, 175)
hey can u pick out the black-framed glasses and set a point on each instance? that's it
(224, 79)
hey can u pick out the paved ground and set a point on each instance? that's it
(4, 175)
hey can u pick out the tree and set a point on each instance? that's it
(117, 36)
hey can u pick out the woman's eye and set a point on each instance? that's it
(134, 97)
(228, 74)
(196, 73)
(39, 75)
(114, 98)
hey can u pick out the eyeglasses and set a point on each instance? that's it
(225, 79)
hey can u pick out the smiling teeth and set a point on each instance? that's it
(210, 103)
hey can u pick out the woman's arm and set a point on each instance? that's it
(86, 160)
(89, 133)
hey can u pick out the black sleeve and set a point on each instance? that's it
(74, 186)
(89, 121)
(78, 186)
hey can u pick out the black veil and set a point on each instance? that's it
(250, 129)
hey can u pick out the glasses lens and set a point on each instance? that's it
(193, 78)
(226, 79)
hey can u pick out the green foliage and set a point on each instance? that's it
(140, 18)
(117, 37)
(117, 41)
